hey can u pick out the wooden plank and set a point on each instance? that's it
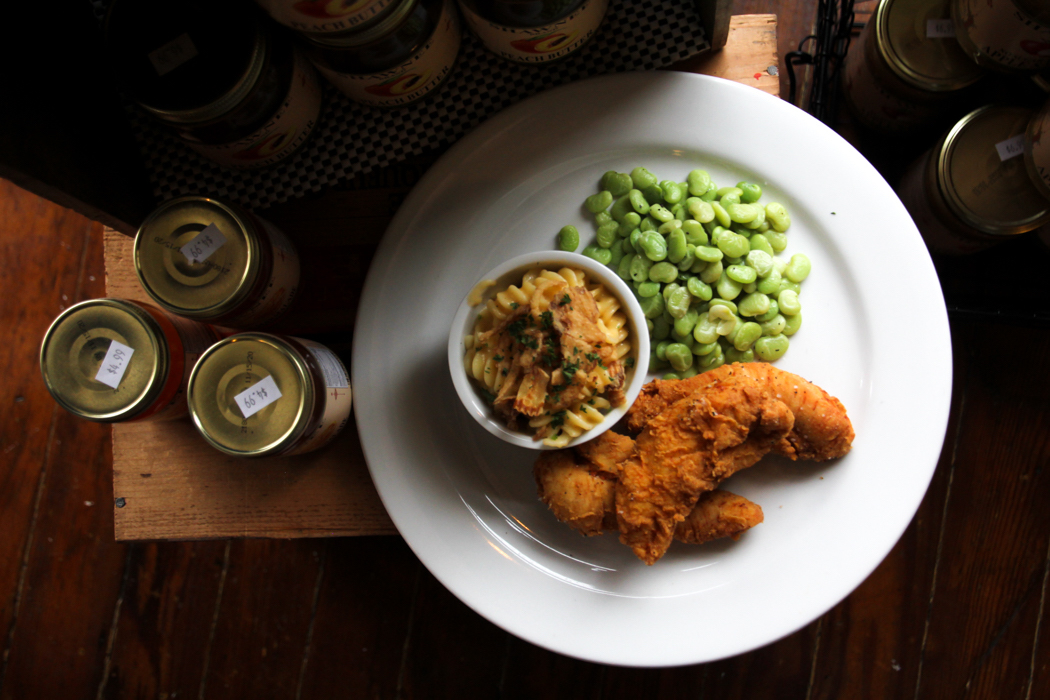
(261, 635)
(42, 247)
(166, 613)
(871, 643)
(781, 669)
(363, 616)
(991, 575)
(749, 56)
(74, 572)
(533, 672)
(175, 486)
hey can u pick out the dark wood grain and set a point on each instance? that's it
(262, 628)
(74, 571)
(364, 612)
(166, 613)
(27, 411)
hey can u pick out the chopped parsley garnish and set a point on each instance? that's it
(498, 358)
(558, 419)
(592, 356)
(569, 369)
(629, 362)
(546, 320)
(488, 396)
(513, 304)
(565, 300)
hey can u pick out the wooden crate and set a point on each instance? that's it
(169, 484)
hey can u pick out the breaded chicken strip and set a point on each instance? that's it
(582, 494)
(689, 448)
(822, 429)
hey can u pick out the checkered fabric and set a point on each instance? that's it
(353, 139)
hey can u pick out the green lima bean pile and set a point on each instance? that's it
(702, 261)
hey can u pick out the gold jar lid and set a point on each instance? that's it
(187, 278)
(74, 354)
(987, 192)
(239, 375)
(916, 50)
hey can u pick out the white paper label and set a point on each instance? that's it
(940, 28)
(1011, 147)
(331, 367)
(173, 54)
(113, 366)
(258, 396)
(203, 244)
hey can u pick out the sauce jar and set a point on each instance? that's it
(533, 31)
(234, 91)
(255, 395)
(972, 190)
(326, 16)
(1009, 36)
(905, 66)
(213, 261)
(114, 360)
(1037, 150)
(403, 57)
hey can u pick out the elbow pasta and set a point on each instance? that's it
(540, 292)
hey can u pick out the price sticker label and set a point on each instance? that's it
(114, 365)
(1011, 147)
(258, 396)
(170, 56)
(204, 244)
(940, 28)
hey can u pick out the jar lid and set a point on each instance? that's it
(105, 360)
(989, 190)
(1037, 150)
(915, 38)
(353, 38)
(187, 62)
(197, 257)
(251, 395)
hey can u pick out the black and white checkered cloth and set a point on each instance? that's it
(353, 139)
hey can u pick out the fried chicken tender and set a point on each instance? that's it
(579, 486)
(822, 429)
(689, 448)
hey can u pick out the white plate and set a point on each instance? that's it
(875, 335)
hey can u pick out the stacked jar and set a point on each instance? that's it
(218, 75)
(534, 31)
(381, 53)
(217, 274)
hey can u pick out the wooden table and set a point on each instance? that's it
(169, 484)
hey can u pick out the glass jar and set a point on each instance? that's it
(905, 66)
(1037, 150)
(213, 261)
(234, 91)
(404, 57)
(326, 16)
(114, 360)
(972, 190)
(255, 395)
(533, 31)
(1009, 36)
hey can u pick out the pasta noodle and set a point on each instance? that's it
(551, 352)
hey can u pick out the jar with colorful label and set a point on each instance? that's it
(905, 68)
(402, 58)
(257, 395)
(534, 31)
(230, 87)
(115, 360)
(1037, 150)
(1009, 36)
(972, 190)
(213, 261)
(327, 16)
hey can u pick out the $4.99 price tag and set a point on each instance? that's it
(203, 244)
(115, 363)
(258, 396)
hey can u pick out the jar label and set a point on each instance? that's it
(414, 78)
(114, 364)
(170, 56)
(1003, 35)
(539, 44)
(325, 16)
(1010, 148)
(258, 396)
(203, 244)
(289, 127)
(279, 292)
(1037, 150)
(337, 398)
(940, 29)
